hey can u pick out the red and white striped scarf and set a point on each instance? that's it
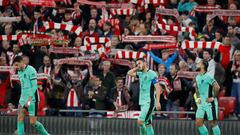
(45, 3)
(93, 48)
(168, 39)
(178, 29)
(97, 40)
(148, 2)
(129, 80)
(72, 100)
(159, 46)
(67, 27)
(40, 76)
(114, 22)
(206, 8)
(201, 44)
(120, 11)
(129, 55)
(11, 37)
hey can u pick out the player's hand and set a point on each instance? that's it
(116, 105)
(158, 106)
(198, 100)
(209, 100)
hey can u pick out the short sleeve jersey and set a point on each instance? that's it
(27, 89)
(147, 81)
(205, 86)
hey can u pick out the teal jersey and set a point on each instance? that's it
(28, 80)
(205, 86)
(147, 81)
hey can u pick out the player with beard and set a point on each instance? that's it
(206, 91)
(148, 83)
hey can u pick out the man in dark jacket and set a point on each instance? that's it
(98, 93)
(119, 97)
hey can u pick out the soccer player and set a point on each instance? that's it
(29, 98)
(206, 91)
(148, 82)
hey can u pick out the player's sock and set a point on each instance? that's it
(203, 130)
(150, 130)
(216, 130)
(143, 129)
(40, 128)
(20, 127)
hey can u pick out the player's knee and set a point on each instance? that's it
(213, 123)
(199, 123)
(32, 122)
(140, 123)
(20, 118)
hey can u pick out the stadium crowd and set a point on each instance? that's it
(100, 81)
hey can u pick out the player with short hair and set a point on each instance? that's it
(148, 83)
(29, 98)
(206, 91)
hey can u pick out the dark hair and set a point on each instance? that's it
(210, 51)
(119, 78)
(141, 59)
(18, 59)
(205, 63)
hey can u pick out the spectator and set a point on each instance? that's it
(106, 76)
(233, 77)
(165, 58)
(107, 30)
(134, 94)
(119, 96)
(97, 93)
(209, 29)
(93, 31)
(47, 67)
(15, 52)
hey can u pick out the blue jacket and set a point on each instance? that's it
(168, 62)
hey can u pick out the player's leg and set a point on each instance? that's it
(149, 127)
(148, 120)
(142, 127)
(33, 108)
(212, 114)
(200, 121)
(142, 118)
(20, 120)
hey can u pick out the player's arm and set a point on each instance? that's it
(216, 88)
(158, 89)
(198, 100)
(133, 72)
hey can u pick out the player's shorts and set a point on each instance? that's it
(32, 109)
(210, 109)
(146, 113)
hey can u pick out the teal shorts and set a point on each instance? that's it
(146, 113)
(32, 109)
(209, 109)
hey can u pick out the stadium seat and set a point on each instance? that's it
(221, 93)
(221, 114)
(228, 103)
